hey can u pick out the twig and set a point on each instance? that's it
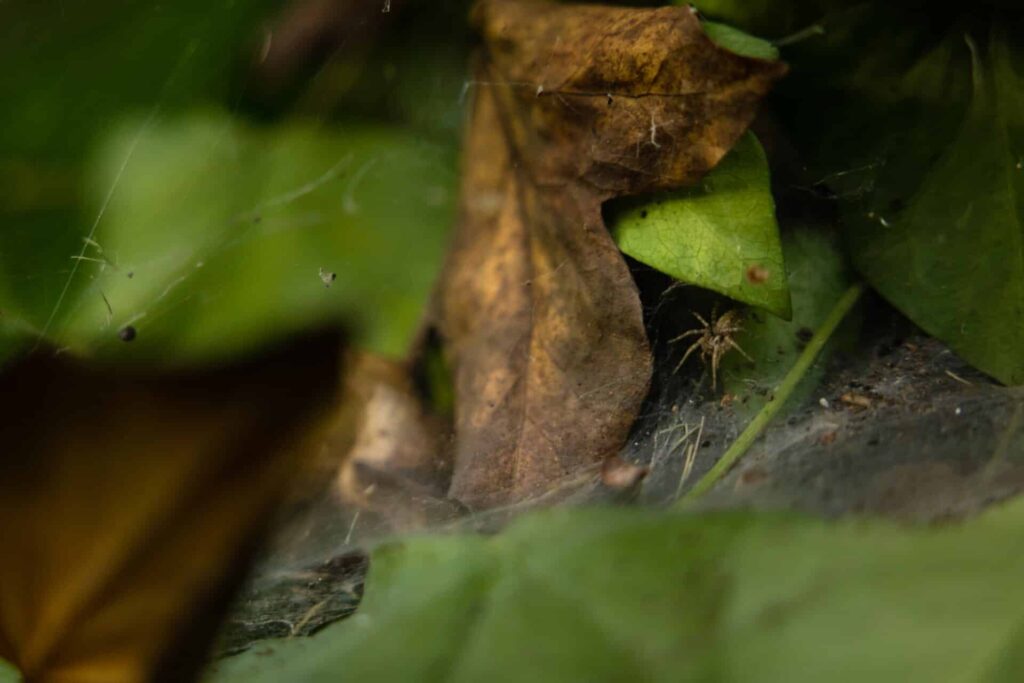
(796, 373)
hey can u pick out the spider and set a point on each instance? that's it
(716, 338)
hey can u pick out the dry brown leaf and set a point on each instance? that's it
(131, 502)
(538, 312)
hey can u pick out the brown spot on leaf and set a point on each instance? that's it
(757, 274)
(537, 308)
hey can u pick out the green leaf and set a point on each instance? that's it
(818, 276)
(946, 244)
(922, 147)
(722, 235)
(618, 594)
(72, 69)
(213, 237)
(439, 584)
(71, 72)
(9, 673)
(785, 21)
(763, 17)
(739, 42)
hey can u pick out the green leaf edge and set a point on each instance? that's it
(782, 308)
(740, 42)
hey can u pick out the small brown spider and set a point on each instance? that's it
(715, 340)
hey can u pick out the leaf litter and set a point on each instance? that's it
(536, 310)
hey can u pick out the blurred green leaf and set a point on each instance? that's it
(818, 276)
(213, 237)
(73, 71)
(722, 235)
(205, 235)
(70, 68)
(9, 673)
(613, 595)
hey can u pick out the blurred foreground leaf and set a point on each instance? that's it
(721, 235)
(612, 595)
(213, 237)
(72, 72)
(117, 129)
(131, 502)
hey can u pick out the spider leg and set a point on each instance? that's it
(736, 346)
(689, 333)
(716, 356)
(686, 355)
(699, 317)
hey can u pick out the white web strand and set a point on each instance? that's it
(95, 224)
(90, 238)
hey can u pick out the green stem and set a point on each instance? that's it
(801, 35)
(789, 382)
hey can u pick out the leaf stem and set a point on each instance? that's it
(789, 382)
(801, 35)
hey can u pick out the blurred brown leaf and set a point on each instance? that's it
(130, 503)
(396, 465)
(538, 312)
